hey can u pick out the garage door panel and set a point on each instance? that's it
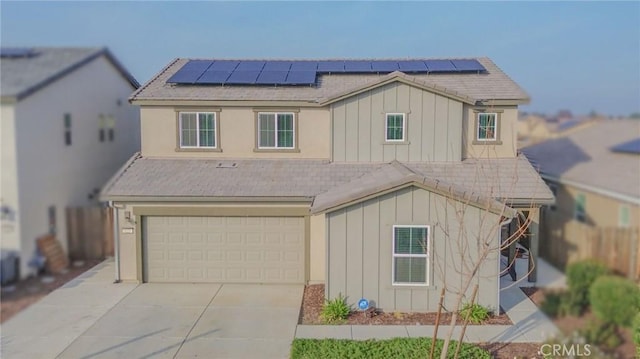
(224, 249)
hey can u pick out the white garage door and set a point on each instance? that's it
(224, 249)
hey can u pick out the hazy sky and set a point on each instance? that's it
(580, 56)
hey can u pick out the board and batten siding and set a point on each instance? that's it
(433, 126)
(359, 248)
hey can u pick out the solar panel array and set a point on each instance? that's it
(632, 146)
(254, 72)
(16, 52)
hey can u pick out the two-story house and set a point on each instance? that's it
(378, 178)
(66, 127)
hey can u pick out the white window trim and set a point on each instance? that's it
(404, 126)
(293, 128)
(426, 256)
(620, 209)
(215, 129)
(495, 131)
(584, 208)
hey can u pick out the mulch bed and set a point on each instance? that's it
(30, 290)
(313, 300)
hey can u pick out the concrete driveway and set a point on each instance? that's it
(92, 318)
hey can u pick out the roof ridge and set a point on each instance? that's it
(154, 78)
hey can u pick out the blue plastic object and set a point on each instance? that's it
(363, 304)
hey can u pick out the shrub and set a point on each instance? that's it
(477, 313)
(580, 276)
(636, 333)
(335, 310)
(601, 333)
(614, 299)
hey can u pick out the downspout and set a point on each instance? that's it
(116, 239)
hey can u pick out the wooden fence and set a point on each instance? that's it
(89, 232)
(618, 248)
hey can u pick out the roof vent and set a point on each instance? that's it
(17, 52)
(226, 165)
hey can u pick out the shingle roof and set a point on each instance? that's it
(21, 76)
(182, 178)
(585, 157)
(492, 85)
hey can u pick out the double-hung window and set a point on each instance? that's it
(197, 129)
(581, 209)
(487, 127)
(395, 127)
(410, 255)
(276, 130)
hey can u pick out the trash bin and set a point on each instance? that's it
(9, 267)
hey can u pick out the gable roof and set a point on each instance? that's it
(585, 158)
(22, 76)
(182, 179)
(493, 84)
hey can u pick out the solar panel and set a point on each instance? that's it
(190, 72)
(277, 66)
(632, 147)
(384, 66)
(331, 66)
(16, 52)
(250, 66)
(440, 66)
(357, 66)
(224, 65)
(214, 77)
(412, 66)
(243, 77)
(301, 78)
(272, 77)
(468, 65)
(304, 66)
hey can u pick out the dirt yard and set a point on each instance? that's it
(24, 293)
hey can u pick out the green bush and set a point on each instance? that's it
(580, 276)
(615, 299)
(477, 313)
(335, 310)
(407, 348)
(601, 333)
(636, 333)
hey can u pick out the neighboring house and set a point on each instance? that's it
(373, 177)
(595, 174)
(534, 129)
(66, 127)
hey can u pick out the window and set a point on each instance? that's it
(395, 127)
(276, 130)
(197, 129)
(102, 124)
(67, 129)
(52, 220)
(410, 255)
(580, 209)
(111, 126)
(487, 126)
(623, 216)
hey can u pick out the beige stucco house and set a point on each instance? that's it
(375, 182)
(66, 127)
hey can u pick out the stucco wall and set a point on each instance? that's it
(10, 231)
(433, 126)
(53, 174)
(507, 129)
(237, 133)
(359, 247)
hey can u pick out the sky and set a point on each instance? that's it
(580, 56)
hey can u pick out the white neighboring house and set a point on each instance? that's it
(66, 128)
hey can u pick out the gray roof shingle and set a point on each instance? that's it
(585, 157)
(492, 85)
(510, 180)
(21, 76)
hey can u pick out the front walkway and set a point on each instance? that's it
(530, 325)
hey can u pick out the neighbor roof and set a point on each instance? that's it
(22, 76)
(490, 85)
(585, 158)
(512, 180)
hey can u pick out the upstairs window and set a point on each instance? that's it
(67, 129)
(487, 127)
(580, 209)
(197, 129)
(624, 219)
(395, 127)
(111, 127)
(102, 126)
(276, 130)
(410, 255)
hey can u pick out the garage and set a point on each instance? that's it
(223, 249)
